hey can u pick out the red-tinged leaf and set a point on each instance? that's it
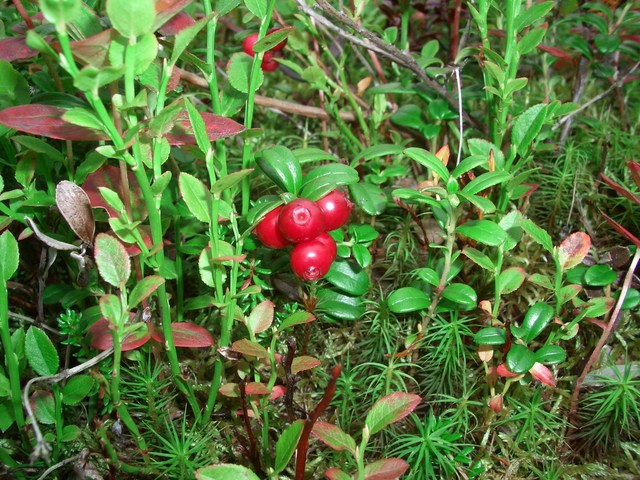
(277, 391)
(554, 51)
(573, 249)
(231, 390)
(187, 334)
(542, 373)
(143, 289)
(94, 50)
(634, 167)
(101, 337)
(633, 38)
(390, 409)
(261, 317)
(336, 474)
(247, 347)
(176, 24)
(46, 120)
(217, 127)
(334, 437)
(620, 189)
(621, 230)
(300, 364)
(496, 403)
(167, 9)
(15, 48)
(109, 176)
(174, 80)
(256, 388)
(503, 371)
(387, 469)
(22, 27)
(136, 338)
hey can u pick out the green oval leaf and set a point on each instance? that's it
(325, 178)
(61, 12)
(390, 409)
(282, 167)
(76, 389)
(239, 72)
(225, 472)
(143, 289)
(511, 279)
(573, 249)
(132, 19)
(490, 336)
(339, 306)
(599, 276)
(9, 255)
(408, 299)
(112, 260)
(485, 181)
(429, 160)
(520, 359)
(334, 437)
(348, 277)
(461, 294)
(535, 321)
(483, 231)
(196, 195)
(40, 352)
(550, 355)
(369, 197)
(287, 444)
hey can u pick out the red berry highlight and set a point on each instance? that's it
(311, 260)
(268, 232)
(268, 62)
(328, 241)
(248, 43)
(301, 220)
(336, 207)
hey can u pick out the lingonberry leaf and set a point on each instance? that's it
(550, 355)
(370, 198)
(261, 317)
(334, 437)
(573, 249)
(40, 352)
(16, 48)
(325, 178)
(490, 336)
(112, 260)
(75, 207)
(286, 445)
(338, 305)
(542, 373)
(407, 299)
(535, 321)
(390, 409)
(47, 121)
(386, 469)
(511, 279)
(429, 160)
(216, 126)
(520, 359)
(282, 167)
(483, 231)
(225, 472)
(348, 277)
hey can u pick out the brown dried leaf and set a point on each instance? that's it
(75, 207)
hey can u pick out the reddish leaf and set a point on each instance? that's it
(277, 392)
(504, 372)
(621, 230)
(102, 339)
(231, 390)
(217, 127)
(554, 51)
(93, 50)
(390, 409)
(166, 9)
(620, 190)
(496, 403)
(247, 347)
(542, 373)
(387, 469)
(256, 388)
(300, 364)
(261, 317)
(187, 334)
(336, 474)
(109, 176)
(174, 80)
(15, 48)
(573, 249)
(46, 120)
(634, 167)
(334, 437)
(178, 23)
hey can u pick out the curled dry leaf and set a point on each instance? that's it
(573, 249)
(47, 240)
(75, 207)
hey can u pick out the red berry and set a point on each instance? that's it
(328, 240)
(301, 220)
(311, 260)
(248, 43)
(268, 62)
(336, 208)
(267, 230)
(279, 46)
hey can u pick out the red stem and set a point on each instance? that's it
(303, 444)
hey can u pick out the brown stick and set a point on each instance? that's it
(267, 102)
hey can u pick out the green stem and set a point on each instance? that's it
(10, 357)
(496, 276)
(511, 61)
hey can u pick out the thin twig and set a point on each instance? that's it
(58, 465)
(605, 334)
(42, 448)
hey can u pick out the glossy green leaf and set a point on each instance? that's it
(527, 127)
(490, 336)
(511, 279)
(272, 39)
(485, 181)
(348, 277)
(483, 231)
(40, 352)
(479, 258)
(325, 178)
(76, 389)
(286, 445)
(428, 160)
(296, 318)
(282, 167)
(520, 359)
(337, 305)
(112, 260)
(550, 355)
(390, 409)
(370, 198)
(599, 276)
(230, 180)
(462, 294)
(539, 235)
(407, 299)
(598, 307)
(131, 19)
(532, 14)
(535, 321)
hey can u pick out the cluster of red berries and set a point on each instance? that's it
(305, 224)
(269, 63)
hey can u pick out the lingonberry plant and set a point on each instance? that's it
(409, 253)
